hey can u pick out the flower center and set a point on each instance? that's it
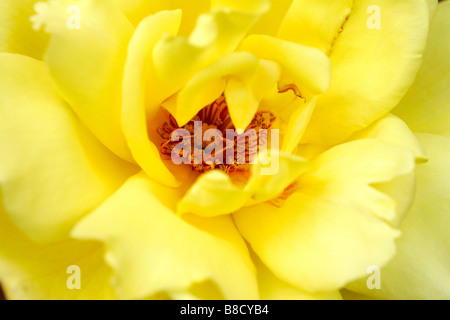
(232, 152)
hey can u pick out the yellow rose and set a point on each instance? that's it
(92, 90)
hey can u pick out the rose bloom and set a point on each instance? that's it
(93, 207)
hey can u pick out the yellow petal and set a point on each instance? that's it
(292, 115)
(39, 272)
(213, 194)
(273, 288)
(270, 22)
(244, 92)
(426, 106)
(242, 78)
(205, 290)
(16, 33)
(309, 66)
(353, 296)
(297, 124)
(347, 165)
(134, 116)
(315, 23)
(87, 63)
(152, 250)
(257, 7)
(273, 174)
(393, 130)
(399, 190)
(208, 84)
(52, 170)
(420, 270)
(371, 68)
(432, 5)
(329, 231)
(137, 10)
(178, 59)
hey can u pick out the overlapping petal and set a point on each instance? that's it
(297, 124)
(328, 231)
(426, 106)
(52, 170)
(87, 63)
(152, 250)
(420, 270)
(393, 130)
(138, 10)
(315, 23)
(135, 94)
(244, 92)
(371, 68)
(215, 193)
(270, 22)
(273, 288)
(307, 65)
(178, 59)
(31, 271)
(240, 76)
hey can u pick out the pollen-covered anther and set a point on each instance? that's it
(235, 153)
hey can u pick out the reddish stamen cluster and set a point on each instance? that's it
(216, 116)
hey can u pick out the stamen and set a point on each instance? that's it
(216, 116)
(293, 88)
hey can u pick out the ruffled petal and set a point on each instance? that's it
(273, 174)
(52, 170)
(244, 92)
(177, 59)
(137, 10)
(393, 130)
(273, 288)
(215, 193)
(269, 23)
(426, 107)
(30, 271)
(307, 65)
(208, 84)
(16, 32)
(242, 78)
(331, 228)
(152, 250)
(315, 23)
(137, 123)
(87, 63)
(371, 68)
(297, 124)
(420, 270)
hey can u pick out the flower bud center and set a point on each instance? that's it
(232, 151)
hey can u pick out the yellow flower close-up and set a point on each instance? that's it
(224, 149)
